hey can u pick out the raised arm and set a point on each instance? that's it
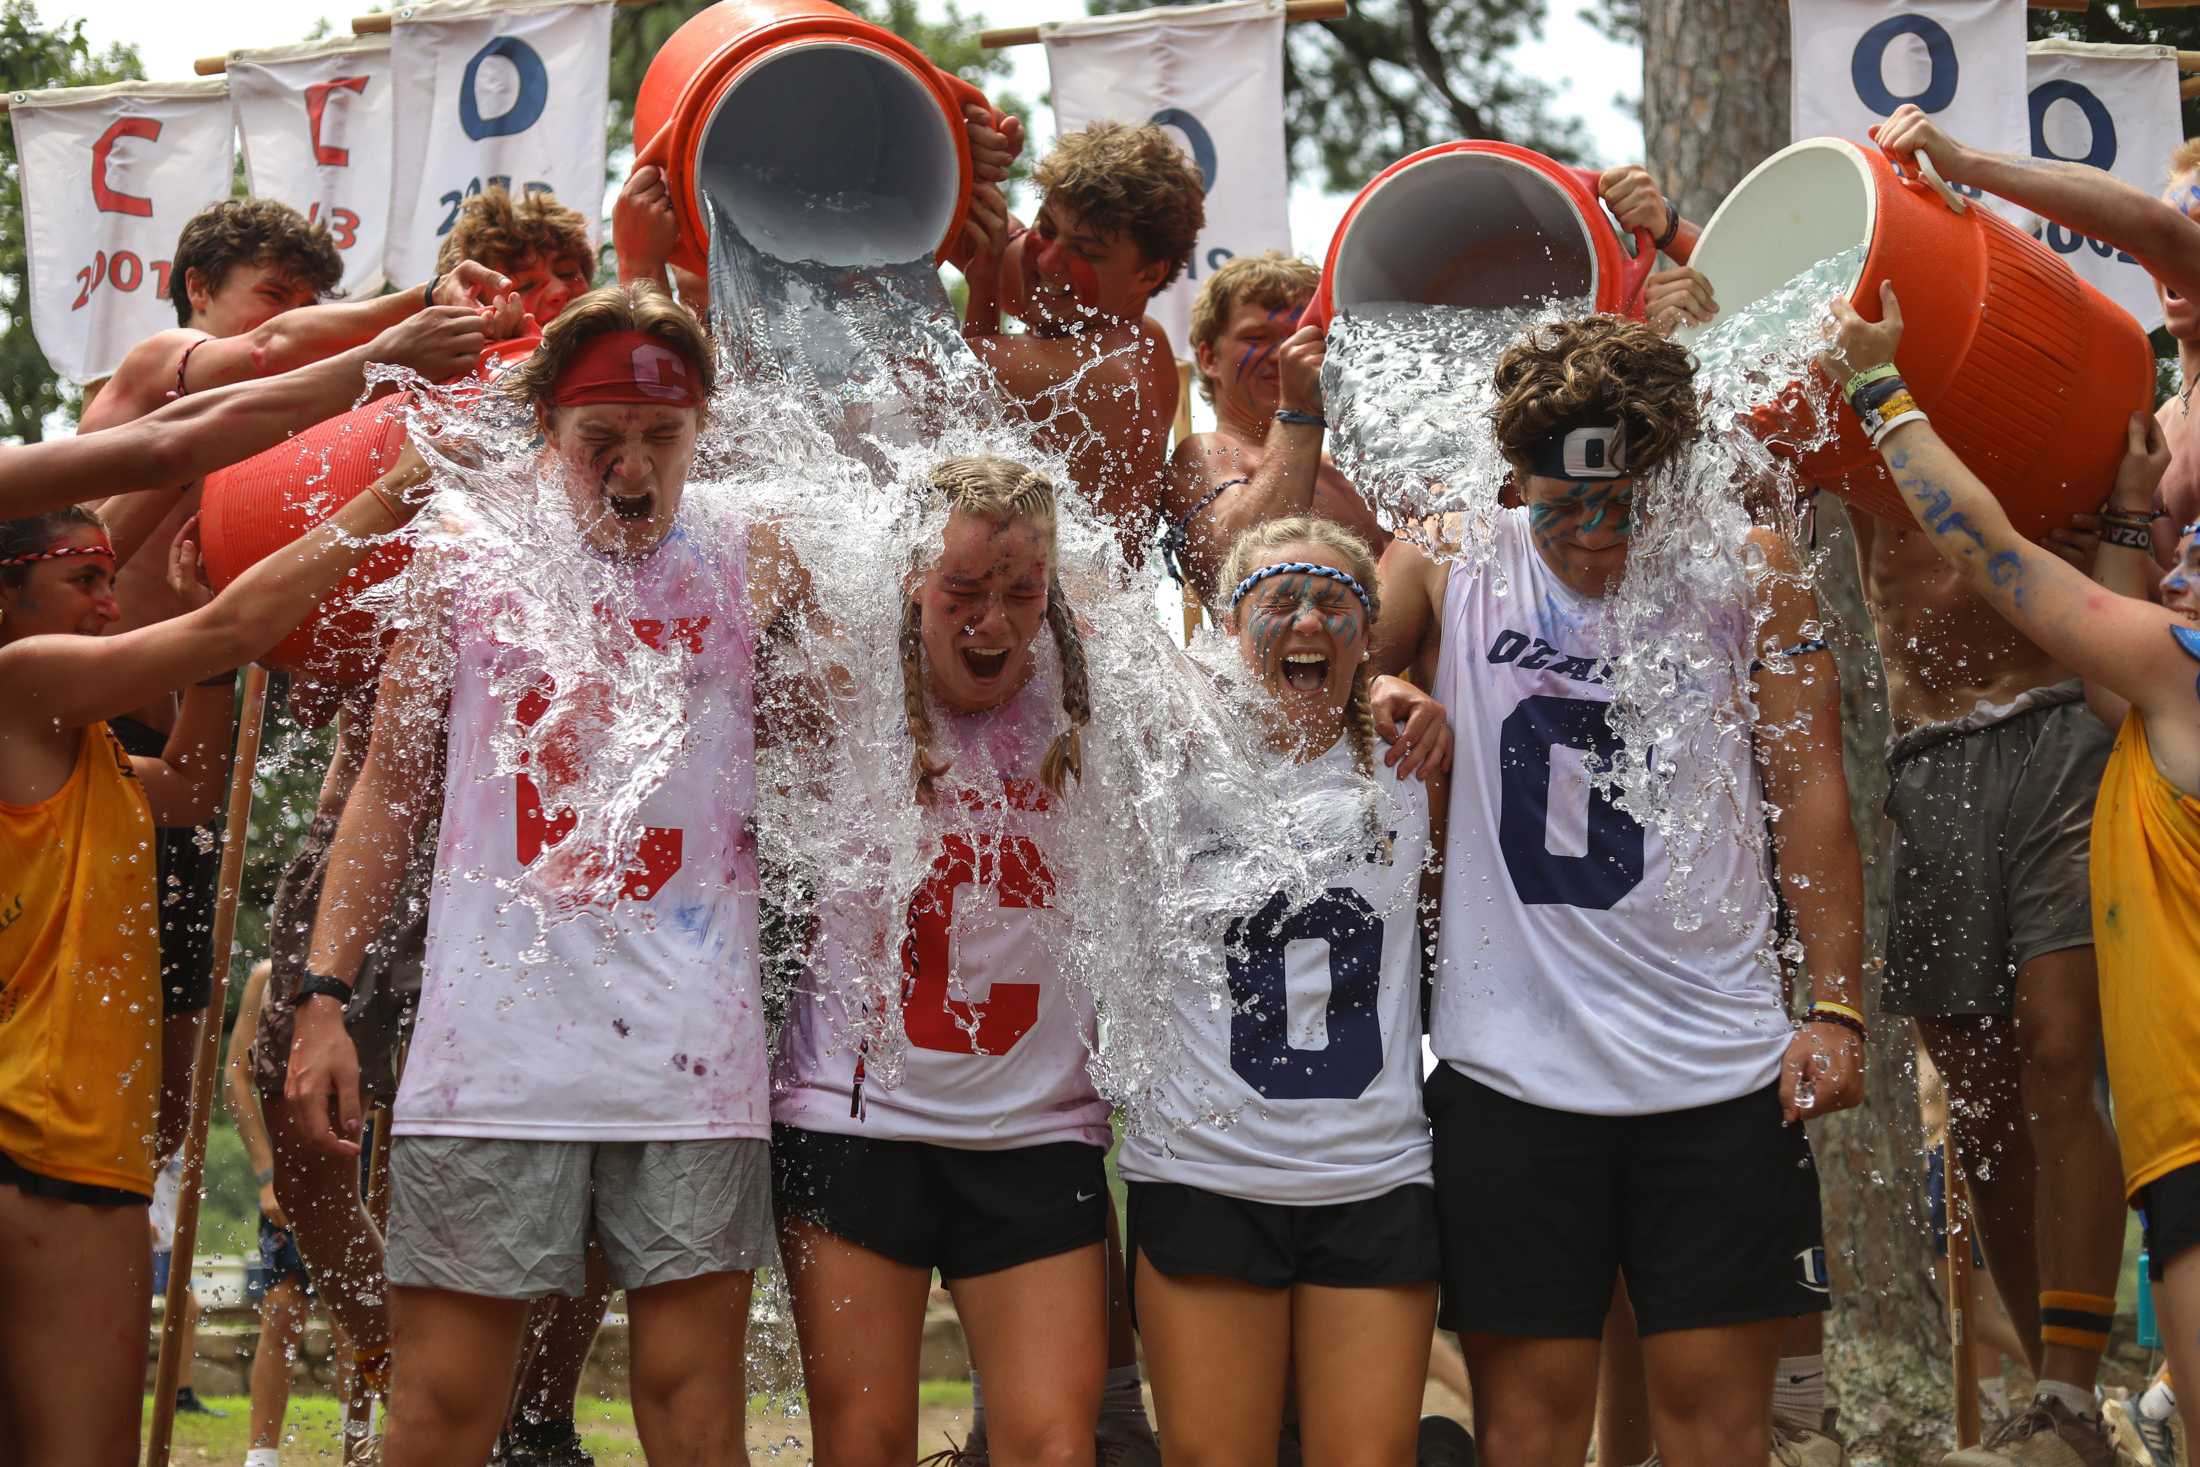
(195, 435)
(244, 1097)
(2078, 196)
(294, 339)
(72, 680)
(2115, 640)
(1291, 458)
(1636, 202)
(1798, 742)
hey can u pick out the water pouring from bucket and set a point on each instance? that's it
(2029, 372)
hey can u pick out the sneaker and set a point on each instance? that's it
(2046, 1434)
(189, 1404)
(2140, 1442)
(554, 1443)
(1444, 1443)
(1124, 1439)
(969, 1452)
(1802, 1447)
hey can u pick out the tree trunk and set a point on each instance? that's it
(1715, 104)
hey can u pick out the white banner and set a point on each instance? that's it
(315, 122)
(2114, 107)
(110, 177)
(1213, 76)
(1856, 61)
(490, 94)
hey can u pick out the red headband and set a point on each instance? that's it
(102, 548)
(626, 366)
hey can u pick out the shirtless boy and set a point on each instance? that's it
(1264, 461)
(1122, 209)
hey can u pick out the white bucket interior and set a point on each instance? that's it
(1465, 229)
(1805, 203)
(833, 153)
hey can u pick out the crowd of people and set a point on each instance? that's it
(1603, 1157)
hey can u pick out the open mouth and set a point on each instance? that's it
(985, 663)
(630, 506)
(1305, 672)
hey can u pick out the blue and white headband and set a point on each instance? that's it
(1304, 568)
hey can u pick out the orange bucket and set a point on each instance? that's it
(2028, 372)
(821, 136)
(1480, 225)
(254, 508)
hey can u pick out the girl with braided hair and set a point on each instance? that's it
(1298, 1243)
(984, 1160)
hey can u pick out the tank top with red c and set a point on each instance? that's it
(997, 1037)
(645, 1022)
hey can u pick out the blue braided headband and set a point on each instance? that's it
(1303, 568)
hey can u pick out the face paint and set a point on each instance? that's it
(1261, 351)
(1601, 506)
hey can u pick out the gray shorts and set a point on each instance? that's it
(511, 1219)
(1993, 833)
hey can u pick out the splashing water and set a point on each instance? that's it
(1410, 390)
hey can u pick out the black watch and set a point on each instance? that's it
(319, 985)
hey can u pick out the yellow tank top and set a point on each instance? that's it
(80, 976)
(2146, 936)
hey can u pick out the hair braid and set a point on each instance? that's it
(1067, 752)
(923, 768)
(1359, 722)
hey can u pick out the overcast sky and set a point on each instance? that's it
(1588, 69)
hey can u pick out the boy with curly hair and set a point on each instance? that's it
(537, 243)
(1619, 1091)
(1122, 210)
(1264, 460)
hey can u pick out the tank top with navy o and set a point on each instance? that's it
(1304, 1086)
(1566, 977)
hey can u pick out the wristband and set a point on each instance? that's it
(1858, 381)
(1672, 227)
(396, 516)
(1825, 1011)
(427, 297)
(1301, 420)
(1884, 405)
(320, 985)
(2126, 534)
(264, 1175)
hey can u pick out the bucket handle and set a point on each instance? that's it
(1637, 273)
(1920, 173)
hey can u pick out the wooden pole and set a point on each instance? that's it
(380, 22)
(206, 1062)
(1293, 10)
(1956, 1199)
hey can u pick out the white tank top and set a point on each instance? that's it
(1305, 1087)
(1562, 978)
(645, 1022)
(994, 1041)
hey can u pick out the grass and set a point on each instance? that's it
(312, 1432)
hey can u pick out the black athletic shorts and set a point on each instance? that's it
(962, 1211)
(2169, 1216)
(188, 866)
(1711, 1214)
(55, 1189)
(1189, 1232)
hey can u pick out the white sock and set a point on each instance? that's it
(264, 1457)
(2080, 1400)
(1799, 1392)
(1120, 1395)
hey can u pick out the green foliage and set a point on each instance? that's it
(32, 56)
(1397, 75)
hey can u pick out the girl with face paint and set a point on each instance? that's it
(1573, 1013)
(80, 1001)
(1299, 1241)
(984, 1161)
(2134, 634)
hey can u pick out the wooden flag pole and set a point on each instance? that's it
(206, 1062)
(359, 1402)
(1956, 1202)
(1293, 10)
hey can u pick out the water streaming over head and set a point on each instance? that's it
(1410, 391)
